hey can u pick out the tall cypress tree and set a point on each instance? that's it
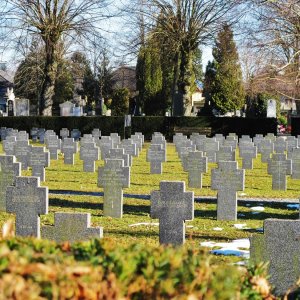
(227, 90)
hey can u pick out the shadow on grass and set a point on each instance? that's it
(209, 214)
(132, 233)
(263, 215)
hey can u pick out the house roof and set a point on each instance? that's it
(6, 78)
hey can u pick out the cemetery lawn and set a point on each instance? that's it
(136, 226)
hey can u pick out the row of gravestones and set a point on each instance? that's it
(172, 205)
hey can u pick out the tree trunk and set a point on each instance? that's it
(174, 84)
(184, 82)
(50, 70)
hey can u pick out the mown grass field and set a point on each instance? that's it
(258, 185)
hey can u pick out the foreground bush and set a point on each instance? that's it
(36, 269)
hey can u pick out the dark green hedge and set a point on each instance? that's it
(146, 125)
(295, 124)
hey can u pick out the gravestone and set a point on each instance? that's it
(140, 134)
(113, 177)
(219, 137)
(116, 140)
(172, 205)
(71, 227)
(138, 141)
(271, 109)
(280, 145)
(227, 179)
(159, 140)
(231, 141)
(199, 141)
(225, 153)
(279, 246)
(211, 147)
(119, 154)
(54, 146)
(21, 151)
(3, 133)
(247, 152)
(156, 155)
(41, 135)
(178, 137)
(9, 170)
(292, 143)
(64, 133)
(22, 107)
(75, 134)
(86, 139)
(196, 164)
(129, 148)
(257, 140)
(279, 167)
(27, 200)
(270, 136)
(69, 148)
(34, 134)
(245, 138)
(89, 153)
(295, 157)
(96, 133)
(22, 136)
(183, 154)
(38, 160)
(266, 149)
(9, 145)
(105, 144)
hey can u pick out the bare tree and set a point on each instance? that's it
(185, 25)
(274, 31)
(54, 22)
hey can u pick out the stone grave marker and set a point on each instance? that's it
(257, 140)
(41, 135)
(86, 139)
(119, 154)
(75, 134)
(34, 134)
(270, 136)
(113, 177)
(225, 153)
(295, 157)
(116, 140)
(138, 141)
(9, 145)
(156, 155)
(280, 145)
(231, 141)
(71, 227)
(219, 137)
(129, 148)
(159, 140)
(27, 200)
(196, 165)
(199, 141)
(11, 132)
(64, 133)
(140, 134)
(178, 137)
(247, 152)
(211, 147)
(89, 153)
(266, 149)
(279, 245)
(69, 148)
(21, 151)
(105, 144)
(172, 205)
(183, 154)
(9, 170)
(227, 179)
(279, 167)
(96, 133)
(3, 133)
(292, 143)
(38, 160)
(22, 136)
(54, 146)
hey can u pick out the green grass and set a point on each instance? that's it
(66, 177)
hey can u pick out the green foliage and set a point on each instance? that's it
(136, 271)
(227, 90)
(120, 102)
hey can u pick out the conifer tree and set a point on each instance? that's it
(227, 90)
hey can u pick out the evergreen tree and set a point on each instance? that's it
(227, 89)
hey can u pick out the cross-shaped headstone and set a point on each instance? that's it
(172, 205)
(257, 140)
(69, 148)
(3, 133)
(129, 148)
(211, 147)
(227, 179)
(71, 227)
(64, 133)
(199, 141)
(231, 141)
(279, 246)
(38, 160)
(247, 152)
(219, 137)
(159, 140)
(75, 134)
(21, 151)
(183, 154)
(41, 135)
(225, 153)
(196, 164)
(270, 136)
(34, 134)
(295, 157)
(9, 170)
(113, 177)
(96, 133)
(9, 145)
(279, 167)
(116, 140)
(22, 136)
(105, 144)
(266, 149)
(156, 155)
(54, 146)
(119, 154)
(89, 153)
(28, 201)
(292, 143)
(280, 145)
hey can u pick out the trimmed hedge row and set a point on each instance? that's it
(39, 269)
(146, 125)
